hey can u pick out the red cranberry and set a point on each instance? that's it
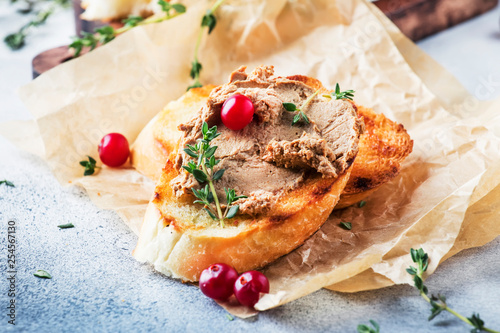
(237, 112)
(113, 149)
(249, 286)
(217, 281)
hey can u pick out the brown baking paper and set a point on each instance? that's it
(446, 198)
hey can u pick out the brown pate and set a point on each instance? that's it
(270, 157)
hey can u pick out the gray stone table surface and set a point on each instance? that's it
(98, 287)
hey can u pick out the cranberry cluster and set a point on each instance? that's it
(220, 281)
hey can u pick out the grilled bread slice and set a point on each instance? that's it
(180, 240)
(291, 178)
(382, 148)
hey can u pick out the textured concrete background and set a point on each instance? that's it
(98, 287)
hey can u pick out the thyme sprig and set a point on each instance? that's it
(17, 40)
(337, 94)
(208, 21)
(203, 171)
(89, 166)
(362, 328)
(346, 225)
(438, 302)
(300, 115)
(107, 33)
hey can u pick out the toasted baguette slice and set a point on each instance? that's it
(382, 148)
(180, 240)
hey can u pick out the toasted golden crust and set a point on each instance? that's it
(382, 148)
(181, 242)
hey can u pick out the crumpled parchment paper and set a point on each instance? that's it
(446, 199)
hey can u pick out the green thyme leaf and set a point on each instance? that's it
(66, 226)
(218, 175)
(414, 254)
(89, 165)
(210, 151)
(346, 225)
(290, 107)
(15, 41)
(132, 21)
(348, 94)
(375, 324)
(204, 129)
(165, 6)
(196, 68)
(229, 317)
(212, 215)
(367, 329)
(190, 153)
(7, 183)
(230, 193)
(412, 270)
(477, 322)
(199, 175)
(197, 193)
(210, 196)
(362, 204)
(106, 34)
(209, 21)
(42, 274)
(87, 40)
(418, 282)
(179, 8)
(233, 211)
(304, 116)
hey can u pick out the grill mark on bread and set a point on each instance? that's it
(279, 218)
(321, 191)
(363, 183)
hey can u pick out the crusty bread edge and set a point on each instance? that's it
(184, 254)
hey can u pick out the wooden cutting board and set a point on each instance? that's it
(421, 18)
(416, 19)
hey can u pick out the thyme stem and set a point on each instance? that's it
(214, 193)
(439, 303)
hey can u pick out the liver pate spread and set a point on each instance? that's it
(270, 157)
